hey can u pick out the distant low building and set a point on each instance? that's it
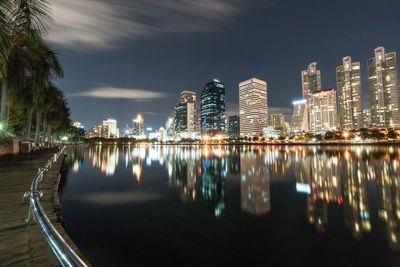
(77, 124)
(270, 132)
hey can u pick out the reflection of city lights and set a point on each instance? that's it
(329, 175)
(137, 170)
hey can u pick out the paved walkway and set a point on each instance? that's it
(22, 244)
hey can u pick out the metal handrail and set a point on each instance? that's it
(64, 253)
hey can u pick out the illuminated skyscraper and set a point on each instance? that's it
(348, 79)
(323, 113)
(138, 126)
(212, 108)
(253, 107)
(383, 89)
(300, 116)
(311, 80)
(185, 115)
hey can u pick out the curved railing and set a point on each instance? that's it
(64, 253)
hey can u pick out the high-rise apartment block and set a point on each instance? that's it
(348, 80)
(212, 108)
(253, 107)
(185, 115)
(383, 89)
(311, 80)
(323, 112)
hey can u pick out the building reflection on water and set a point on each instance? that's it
(342, 176)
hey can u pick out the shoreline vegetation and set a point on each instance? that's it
(124, 141)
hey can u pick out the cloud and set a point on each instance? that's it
(120, 93)
(101, 24)
(151, 113)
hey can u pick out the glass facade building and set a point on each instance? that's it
(212, 108)
(348, 80)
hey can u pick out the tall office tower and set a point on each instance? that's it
(276, 121)
(367, 118)
(253, 107)
(212, 108)
(348, 80)
(112, 128)
(323, 113)
(138, 126)
(185, 115)
(383, 89)
(300, 116)
(310, 80)
(234, 125)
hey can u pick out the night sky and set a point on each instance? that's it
(135, 56)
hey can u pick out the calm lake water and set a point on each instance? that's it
(233, 205)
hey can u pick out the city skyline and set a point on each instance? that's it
(249, 40)
(325, 109)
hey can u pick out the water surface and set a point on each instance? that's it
(231, 205)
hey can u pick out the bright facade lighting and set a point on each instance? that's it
(303, 188)
(299, 102)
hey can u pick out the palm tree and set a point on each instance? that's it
(47, 67)
(19, 19)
